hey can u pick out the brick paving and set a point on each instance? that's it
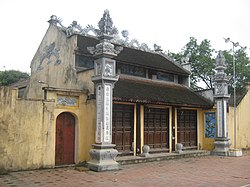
(204, 171)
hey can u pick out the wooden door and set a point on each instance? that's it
(123, 128)
(65, 139)
(187, 128)
(156, 125)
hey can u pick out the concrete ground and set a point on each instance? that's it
(204, 171)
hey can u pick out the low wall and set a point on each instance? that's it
(25, 143)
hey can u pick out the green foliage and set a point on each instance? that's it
(203, 63)
(242, 71)
(11, 76)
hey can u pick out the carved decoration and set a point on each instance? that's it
(48, 52)
(157, 48)
(67, 101)
(185, 60)
(105, 26)
(108, 70)
(220, 78)
(210, 125)
(220, 66)
(220, 60)
(105, 47)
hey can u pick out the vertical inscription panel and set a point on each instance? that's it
(225, 134)
(219, 118)
(99, 114)
(107, 113)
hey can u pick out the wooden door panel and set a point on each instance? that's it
(65, 139)
(123, 127)
(187, 127)
(156, 124)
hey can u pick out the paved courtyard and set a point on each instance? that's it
(204, 171)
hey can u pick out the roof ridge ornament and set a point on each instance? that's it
(106, 28)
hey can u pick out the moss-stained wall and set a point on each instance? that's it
(28, 129)
(25, 143)
(53, 63)
(84, 81)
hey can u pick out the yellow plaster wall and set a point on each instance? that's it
(85, 123)
(25, 143)
(44, 66)
(28, 129)
(242, 123)
(84, 80)
(243, 126)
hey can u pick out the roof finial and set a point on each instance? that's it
(106, 25)
(53, 20)
(220, 61)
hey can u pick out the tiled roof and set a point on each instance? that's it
(239, 96)
(135, 57)
(20, 84)
(150, 60)
(157, 92)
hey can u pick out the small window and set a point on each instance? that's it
(131, 70)
(165, 76)
(84, 62)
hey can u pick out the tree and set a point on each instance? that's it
(202, 62)
(242, 71)
(202, 58)
(11, 76)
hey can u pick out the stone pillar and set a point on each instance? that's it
(103, 153)
(222, 142)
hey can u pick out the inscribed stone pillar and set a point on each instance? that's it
(222, 142)
(103, 153)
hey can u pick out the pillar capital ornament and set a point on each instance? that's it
(106, 25)
(220, 78)
(105, 47)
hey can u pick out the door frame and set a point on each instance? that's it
(169, 123)
(76, 136)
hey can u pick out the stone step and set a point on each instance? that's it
(123, 160)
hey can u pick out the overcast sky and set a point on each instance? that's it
(167, 23)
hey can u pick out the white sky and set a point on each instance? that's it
(164, 22)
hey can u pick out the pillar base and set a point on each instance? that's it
(222, 146)
(103, 158)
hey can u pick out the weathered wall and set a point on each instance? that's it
(25, 143)
(28, 129)
(84, 81)
(84, 113)
(242, 123)
(53, 63)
